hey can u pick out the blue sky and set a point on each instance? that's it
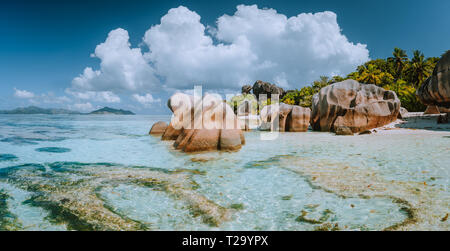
(45, 45)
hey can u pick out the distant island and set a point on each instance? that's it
(38, 110)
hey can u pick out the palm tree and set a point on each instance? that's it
(419, 69)
(336, 79)
(370, 75)
(322, 82)
(399, 58)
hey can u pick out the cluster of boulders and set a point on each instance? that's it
(344, 108)
(215, 128)
(358, 107)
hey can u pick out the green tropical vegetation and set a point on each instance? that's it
(236, 101)
(398, 73)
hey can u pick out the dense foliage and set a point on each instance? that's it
(397, 73)
(236, 101)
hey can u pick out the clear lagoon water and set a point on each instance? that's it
(106, 173)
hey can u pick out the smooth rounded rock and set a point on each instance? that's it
(402, 113)
(217, 129)
(261, 87)
(158, 128)
(291, 118)
(298, 119)
(354, 105)
(436, 89)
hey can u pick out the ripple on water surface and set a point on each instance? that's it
(8, 157)
(301, 181)
(34, 140)
(53, 149)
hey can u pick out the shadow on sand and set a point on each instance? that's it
(425, 122)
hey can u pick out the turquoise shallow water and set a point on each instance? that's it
(106, 173)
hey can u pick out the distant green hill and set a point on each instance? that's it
(108, 110)
(38, 110)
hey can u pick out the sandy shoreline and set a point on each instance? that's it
(414, 123)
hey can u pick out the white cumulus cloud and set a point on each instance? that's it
(251, 44)
(146, 99)
(82, 107)
(122, 68)
(23, 94)
(101, 96)
(184, 54)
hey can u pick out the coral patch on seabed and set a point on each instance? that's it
(8, 221)
(71, 193)
(415, 199)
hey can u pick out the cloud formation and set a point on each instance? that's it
(82, 107)
(121, 68)
(100, 96)
(251, 44)
(23, 94)
(146, 99)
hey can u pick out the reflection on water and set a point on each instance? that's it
(106, 173)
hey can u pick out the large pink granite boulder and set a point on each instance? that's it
(158, 128)
(436, 89)
(354, 105)
(291, 118)
(215, 128)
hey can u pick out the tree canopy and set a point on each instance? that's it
(397, 73)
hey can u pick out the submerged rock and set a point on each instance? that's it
(158, 128)
(436, 89)
(357, 106)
